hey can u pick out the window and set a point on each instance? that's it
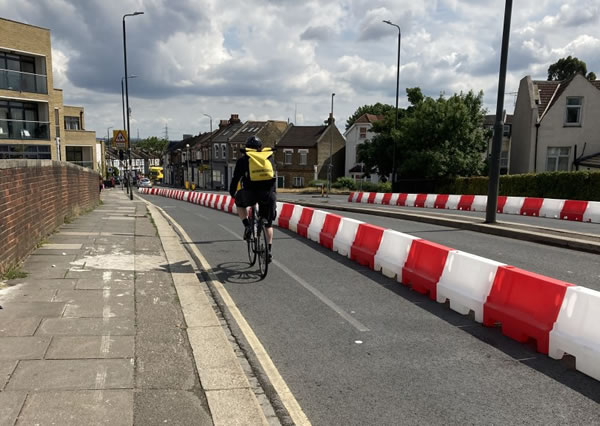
(287, 156)
(507, 130)
(224, 151)
(216, 153)
(363, 132)
(574, 111)
(71, 123)
(234, 150)
(558, 159)
(298, 181)
(29, 152)
(303, 156)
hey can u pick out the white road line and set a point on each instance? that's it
(285, 394)
(353, 321)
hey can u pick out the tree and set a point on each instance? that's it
(435, 137)
(565, 68)
(153, 146)
(377, 109)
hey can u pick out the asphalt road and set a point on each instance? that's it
(588, 228)
(357, 348)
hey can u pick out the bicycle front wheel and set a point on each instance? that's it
(251, 250)
(262, 252)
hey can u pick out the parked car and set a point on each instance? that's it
(145, 183)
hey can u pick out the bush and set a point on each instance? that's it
(344, 182)
(314, 183)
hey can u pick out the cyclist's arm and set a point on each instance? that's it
(238, 173)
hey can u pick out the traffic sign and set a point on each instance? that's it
(120, 140)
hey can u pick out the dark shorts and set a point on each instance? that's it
(267, 208)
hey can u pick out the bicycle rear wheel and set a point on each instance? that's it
(252, 242)
(262, 250)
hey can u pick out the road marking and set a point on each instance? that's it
(354, 322)
(285, 394)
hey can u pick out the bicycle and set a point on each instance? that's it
(258, 245)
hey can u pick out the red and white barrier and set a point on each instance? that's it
(583, 211)
(561, 317)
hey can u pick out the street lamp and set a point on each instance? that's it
(330, 171)
(127, 92)
(397, 87)
(123, 97)
(210, 149)
(187, 158)
(107, 139)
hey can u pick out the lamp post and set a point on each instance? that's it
(123, 97)
(210, 152)
(330, 171)
(187, 159)
(107, 139)
(397, 87)
(127, 93)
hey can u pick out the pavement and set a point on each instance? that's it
(114, 324)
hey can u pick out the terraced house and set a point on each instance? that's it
(34, 122)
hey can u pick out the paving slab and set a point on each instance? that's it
(18, 326)
(12, 309)
(89, 407)
(27, 347)
(54, 246)
(87, 327)
(179, 407)
(48, 284)
(28, 293)
(6, 369)
(72, 374)
(96, 284)
(110, 308)
(91, 295)
(236, 406)
(10, 406)
(82, 347)
(46, 270)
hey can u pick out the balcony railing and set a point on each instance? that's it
(24, 130)
(88, 164)
(23, 81)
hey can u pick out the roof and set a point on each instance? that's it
(550, 91)
(369, 118)
(226, 132)
(301, 136)
(592, 161)
(248, 129)
(490, 119)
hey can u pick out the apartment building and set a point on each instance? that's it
(34, 122)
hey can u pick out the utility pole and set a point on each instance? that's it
(330, 171)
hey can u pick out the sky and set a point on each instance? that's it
(283, 59)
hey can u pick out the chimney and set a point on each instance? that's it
(235, 118)
(223, 123)
(330, 120)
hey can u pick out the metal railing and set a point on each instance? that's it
(23, 81)
(24, 130)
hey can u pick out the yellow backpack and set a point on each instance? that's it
(259, 164)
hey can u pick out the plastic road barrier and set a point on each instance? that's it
(573, 210)
(330, 228)
(304, 221)
(430, 200)
(285, 215)
(592, 213)
(479, 203)
(316, 225)
(424, 266)
(366, 244)
(401, 200)
(387, 197)
(465, 203)
(440, 201)
(392, 253)
(419, 200)
(525, 303)
(532, 206)
(293, 222)
(371, 199)
(345, 235)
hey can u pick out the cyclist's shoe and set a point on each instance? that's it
(269, 257)
(247, 232)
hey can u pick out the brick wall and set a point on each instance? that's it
(35, 198)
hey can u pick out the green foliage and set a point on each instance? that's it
(13, 272)
(314, 183)
(344, 182)
(566, 68)
(377, 109)
(153, 146)
(582, 185)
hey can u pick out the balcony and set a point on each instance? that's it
(24, 130)
(23, 81)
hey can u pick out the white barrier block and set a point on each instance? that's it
(379, 198)
(452, 203)
(513, 205)
(410, 200)
(576, 330)
(316, 225)
(430, 201)
(392, 253)
(295, 218)
(355, 196)
(345, 235)
(466, 281)
(592, 212)
(551, 208)
(186, 196)
(365, 198)
(479, 203)
(394, 199)
(279, 207)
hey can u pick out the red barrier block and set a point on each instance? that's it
(304, 222)
(401, 199)
(231, 208)
(420, 200)
(424, 266)
(330, 227)
(285, 215)
(386, 198)
(216, 204)
(440, 201)
(501, 203)
(366, 243)
(371, 198)
(209, 200)
(350, 197)
(531, 206)
(465, 202)
(359, 197)
(525, 303)
(573, 210)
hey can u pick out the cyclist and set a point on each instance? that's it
(254, 171)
